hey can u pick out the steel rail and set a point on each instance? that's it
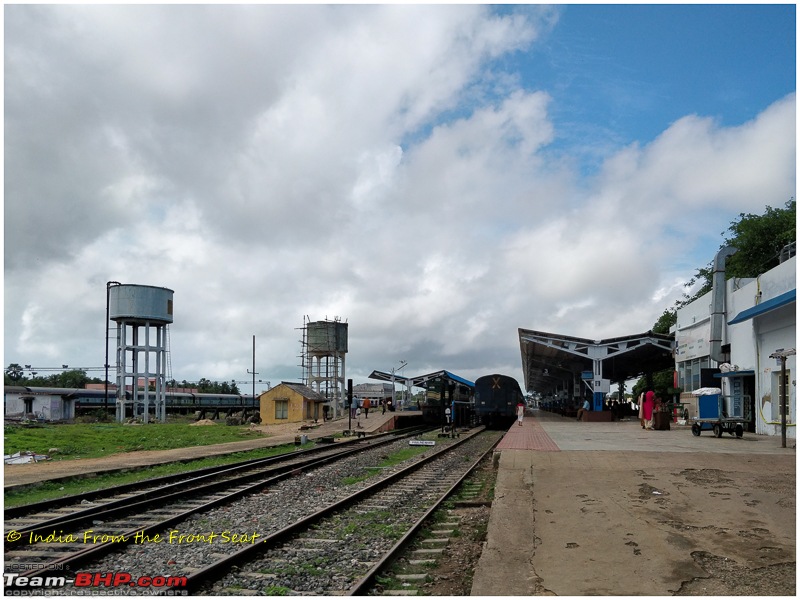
(19, 512)
(362, 586)
(202, 577)
(81, 557)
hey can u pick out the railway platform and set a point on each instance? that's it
(608, 508)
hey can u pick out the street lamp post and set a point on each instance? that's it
(395, 370)
(782, 355)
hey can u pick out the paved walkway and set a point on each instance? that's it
(528, 436)
(607, 508)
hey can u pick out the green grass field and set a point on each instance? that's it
(94, 440)
(49, 490)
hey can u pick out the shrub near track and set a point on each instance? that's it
(49, 490)
(96, 440)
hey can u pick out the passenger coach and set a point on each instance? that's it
(496, 399)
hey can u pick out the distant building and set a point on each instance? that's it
(46, 404)
(377, 393)
(291, 403)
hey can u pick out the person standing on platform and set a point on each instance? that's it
(647, 410)
(383, 406)
(520, 413)
(353, 407)
(583, 409)
(641, 409)
(365, 406)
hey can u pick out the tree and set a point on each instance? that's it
(14, 372)
(662, 382)
(75, 378)
(759, 241)
(668, 318)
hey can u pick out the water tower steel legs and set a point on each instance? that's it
(130, 379)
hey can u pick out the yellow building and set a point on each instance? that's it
(290, 403)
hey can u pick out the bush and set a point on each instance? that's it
(96, 416)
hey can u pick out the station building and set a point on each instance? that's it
(740, 338)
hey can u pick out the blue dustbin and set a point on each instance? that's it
(708, 406)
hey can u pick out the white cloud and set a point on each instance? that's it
(370, 163)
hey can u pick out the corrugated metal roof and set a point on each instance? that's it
(420, 380)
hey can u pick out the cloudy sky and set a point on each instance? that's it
(437, 176)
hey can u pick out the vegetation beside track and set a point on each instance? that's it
(391, 460)
(451, 573)
(95, 440)
(60, 489)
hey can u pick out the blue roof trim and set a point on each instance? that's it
(460, 379)
(733, 374)
(765, 307)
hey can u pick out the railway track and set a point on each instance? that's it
(340, 549)
(46, 537)
(276, 513)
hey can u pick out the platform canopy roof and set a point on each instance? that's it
(551, 361)
(421, 380)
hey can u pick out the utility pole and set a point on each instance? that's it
(254, 368)
(108, 318)
(349, 405)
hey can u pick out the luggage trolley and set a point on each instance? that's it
(714, 414)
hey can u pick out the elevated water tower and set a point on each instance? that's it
(142, 313)
(325, 346)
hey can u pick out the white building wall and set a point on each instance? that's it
(47, 406)
(753, 341)
(13, 405)
(693, 329)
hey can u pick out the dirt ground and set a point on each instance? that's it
(452, 575)
(693, 524)
(621, 524)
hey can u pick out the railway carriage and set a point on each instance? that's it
(496, 399)
(57, 404)
(444, 392)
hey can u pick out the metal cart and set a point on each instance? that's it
(715, 416)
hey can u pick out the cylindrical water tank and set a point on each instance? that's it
(140, 303)
(327, 337)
